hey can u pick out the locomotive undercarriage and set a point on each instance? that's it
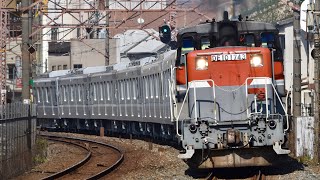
(111, 127)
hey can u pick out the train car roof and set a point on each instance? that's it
(211, 27)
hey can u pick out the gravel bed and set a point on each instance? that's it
(59, 156)
(161, 162)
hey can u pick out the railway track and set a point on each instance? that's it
(101, 159)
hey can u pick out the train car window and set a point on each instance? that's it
(166, 85)
(94, 91)
(60, 100)
(156, 82)
(146, 87)
(38, 95)
(127, 87)
(71, 92)
(111, 90)
(205, 43)
(101, 91)
(64, 93)
(46, 94)
(151, 78)
(51, 92)
(79, 92)
(134, 88)
(122, 89)
(42, 94)
(108, 90)
(247, 40)
(116, 91)
(139, 87)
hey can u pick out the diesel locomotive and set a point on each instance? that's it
(219, 94)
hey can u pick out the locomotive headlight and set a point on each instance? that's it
(201, 63)
(256, 60)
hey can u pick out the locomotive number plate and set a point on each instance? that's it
(228, 57)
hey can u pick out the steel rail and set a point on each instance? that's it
(101, 173)
(71, 168)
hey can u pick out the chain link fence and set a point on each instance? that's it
(16, 138)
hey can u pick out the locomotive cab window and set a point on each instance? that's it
(188, 45)
(267, 40)
(247, 40)
(271, 41)
(205, 43)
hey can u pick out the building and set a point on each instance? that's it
(307, 63)
(119, 21)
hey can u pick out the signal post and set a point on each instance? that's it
(316, 81)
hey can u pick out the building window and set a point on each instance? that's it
(77, 66)
(53, 68)
(11, 69)
(54, 34)
(59, 67)
(65, 67)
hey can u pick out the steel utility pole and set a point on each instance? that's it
(296, 86)
(316, 81)
(26, 63)
(26, 42)
(3, 41)
(107, 55)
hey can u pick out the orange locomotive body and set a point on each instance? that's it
(229, 77)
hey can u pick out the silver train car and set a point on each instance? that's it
(131, 98)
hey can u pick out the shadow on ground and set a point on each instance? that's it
(286, 165)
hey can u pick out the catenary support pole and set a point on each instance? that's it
(296, 86)
(26, 19)
(107, 35)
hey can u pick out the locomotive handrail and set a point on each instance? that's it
(177, 120)
(266, 94)
(285, 110)
(171, 92)
(195, 103)
(195, 98)
(266, 97)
